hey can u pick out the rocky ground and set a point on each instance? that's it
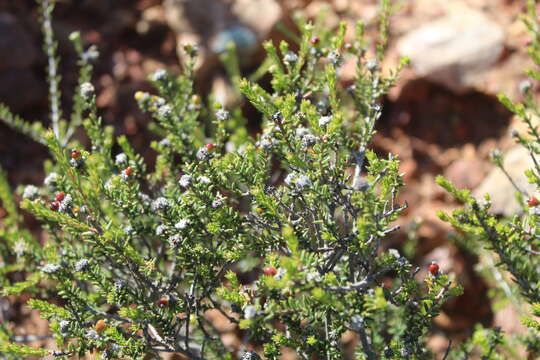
(442, 118)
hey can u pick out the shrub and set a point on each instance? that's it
(513, 241)
(283, 235)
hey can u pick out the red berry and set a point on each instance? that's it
(75, 154)
(129, 170)
(164, 301)
(433, 269)
(533, 201)
(210, 146)
(270, 271)
(55, 205)
(60, 196)
(100, 325)
(315, 40)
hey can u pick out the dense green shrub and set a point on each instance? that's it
(132, 260)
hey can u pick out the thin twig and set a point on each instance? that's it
(447, 352)
(50, 47)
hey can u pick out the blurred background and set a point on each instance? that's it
(443, 117)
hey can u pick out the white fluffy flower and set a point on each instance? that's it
(250, 355)
(30, 192)
(357, 323)
(51, 178)
(121, 159)
(160, 204)
(161, 229)
(290, 179)
(205, 180)
(87, 89)
(145, 199)
(313, 276)
(129, 230)
(92, 335)
(158, 101)
(290, 57)
(91, 55)
(324, 120)
(119, 285)
(250, 312)
(372, 65)
(165, 142)
(159, 75)
(165, 110)
(309, 140)
(185, 180)
(182, 224)
(298, 181)
(51, 268)
(65, 204)
(334, 57)
(303, 182)
(64, 326)
(280, 273)
(82, 265)
(222, 115)
(267, 142)
(174, 241)
(301, 131)
(108, 185)
(20, 248)
(203, 154)
(219, 202)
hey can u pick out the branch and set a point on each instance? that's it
(362, 284)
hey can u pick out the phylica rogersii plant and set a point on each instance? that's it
(514, 241)
(134, 261)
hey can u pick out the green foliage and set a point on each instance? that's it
(514, 241)
(484, 344)
(134, 261)
(22, 350)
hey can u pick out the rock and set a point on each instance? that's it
(16, 46)
(212, 23)
(195, 22)
(467, 172)
(243, 38)
(259, 15)
(500, 189)
(456, 49)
